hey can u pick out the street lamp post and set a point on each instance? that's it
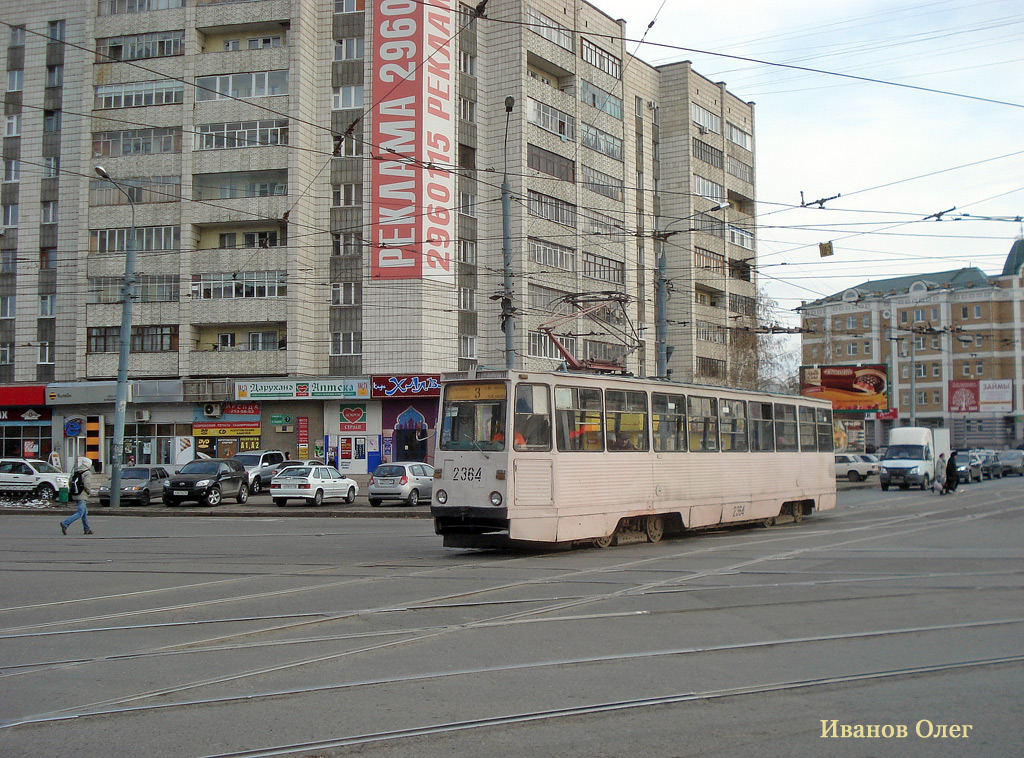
(124, 346)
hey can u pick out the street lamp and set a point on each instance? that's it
(124, 345)
(661, 290)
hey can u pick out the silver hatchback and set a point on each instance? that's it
(410, 481)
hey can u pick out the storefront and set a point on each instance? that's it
(25, 422)
(408, 415)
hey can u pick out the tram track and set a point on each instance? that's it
(421, 635)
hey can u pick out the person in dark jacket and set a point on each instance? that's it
(81, 480)
(952, 477)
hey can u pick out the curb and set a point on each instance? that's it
(224, 511)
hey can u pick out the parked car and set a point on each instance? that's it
(853, 467)
(31, 476)
(968, 467)
(873, 459)
(991, 467)
(209, 481)
(139, 484)
(410, 481)
(260, 465)
(1013, 462)
(314, 483)
(286, 464)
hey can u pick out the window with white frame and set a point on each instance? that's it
(12, 170)
(738, 136)
(51, 166)
(851, 322)
(46, 352)
(467, 299)
(262, 341)
(705, 119)
(467, 63)
(348, 49)
(7, 303)
(48, 305)
(55, 30)
(919, 370)
(467, 347)
(242, 86)
(239, 284)
(967, 369)
(265, 43)
(593, 95)
(55, 76)
(867, 347)
(979, 368)
(709, 189)
(348, 96)
(346, 343)
(52, 121)
(922, 397)
(541, 345)
(467, 204)
(15, 80)
(13, 125)
(548, 28)
(347, 195)
(851, 349)
(348, 6)
(600, 58)
(905, 371)
(347, 243)
(139, 94)
(233, 134)
(465, 251)
(603, 269)
(147, 239)
(133, 47)
(17, 36)
(977, 311)
(936, 369)
(551, 208)
(602, 142)
(937, 397)
(6, 353)
(346, 293)
(467, 109)
(551, 119)
(48, 212)
(10, 216)
(136, 142)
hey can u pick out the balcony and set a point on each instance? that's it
(241, 361)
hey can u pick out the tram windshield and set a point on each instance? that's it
(473, 417)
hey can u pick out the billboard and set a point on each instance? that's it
(850, 388)
(413, 201)
(980, 396)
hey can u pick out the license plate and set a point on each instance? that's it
(180, 492)
(387, 482)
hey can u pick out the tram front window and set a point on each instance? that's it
(474, 417)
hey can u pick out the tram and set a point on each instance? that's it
(565, 459)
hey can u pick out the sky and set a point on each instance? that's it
(894, 155)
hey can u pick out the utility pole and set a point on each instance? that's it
(508, 324)
(123, 349)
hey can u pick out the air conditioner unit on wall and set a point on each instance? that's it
(141, 416)
(213, 410)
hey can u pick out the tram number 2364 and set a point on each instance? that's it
(466, 474)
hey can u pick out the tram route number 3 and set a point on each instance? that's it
(467, 474)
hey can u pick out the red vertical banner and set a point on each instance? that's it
(413, 197)
(302, 432)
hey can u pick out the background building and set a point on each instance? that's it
(316, 192)
(945, 337)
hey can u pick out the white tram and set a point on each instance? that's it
(557, 458)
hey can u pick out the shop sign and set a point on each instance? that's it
(280, 419)
(71, 393)
(226, 429)
(353, 418)
(326, 389)
(25, 414)
(405, 385)
(302, 435)
(241, 409)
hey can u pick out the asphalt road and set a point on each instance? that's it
(899, 612)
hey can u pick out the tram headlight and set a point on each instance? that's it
(441, 497)
(495, 498)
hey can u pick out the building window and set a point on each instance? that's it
(709, 260)
(118, 7)
(551, 208)
(600, 58)
(133, 47)
(234, 285)
(467, 347)
(709, 189)
(48, 305)
(979, 368)
(48, 212)
(264, 43)
(139, 94)
(851, 322)
(226, 341)
(738, 137)
(12, 170)
(739, 169)
(602, 142)
(467, 63)
(851, 349)
(551, 119)
(232, 134)
(603, 269)
(47, 258)
(242, 86)
(350, 96)
(147, 239)
(347, 244)
(550, 163)
(549, 29)
(15, 80)
(347, 195)
(707, 153)
(346, 293)
(867, 348)
(348, 49)
(46, 352)
(967, 369)
(55, 76)
(598, 98)
(601, 183)
(541, 346)
(705, 120)
(10, 216)
(6, 353)
(467, 204)
(919, 370)
(264, 341)
(7, 306)
(51, 121)
(51, 166)
(136, 142)
(467, 110)
(55, 30)
(348, 6)
(13, 125)
(346, 343)
(977, 311)
(17, 36)
(465, 251)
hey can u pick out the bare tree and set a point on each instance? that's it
(766, 356)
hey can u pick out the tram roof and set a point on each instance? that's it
(649, 383)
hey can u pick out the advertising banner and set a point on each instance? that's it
(963, 396)
(339, 389)
(413, 201)
(850, 388)
(995, 395)
(406, 385)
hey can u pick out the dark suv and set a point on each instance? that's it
(208, 480)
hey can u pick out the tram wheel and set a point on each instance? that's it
(606, 541)
(654, 528)
(798, 512)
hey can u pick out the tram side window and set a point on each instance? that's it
(669, 412)
(733, 422)
(808, 432)
(762, 428)
(578, 419)
(785, 428)
(531, 429)
(702, 413)
(826, 440)
(626, 420)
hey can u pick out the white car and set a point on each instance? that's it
(31, 476)
(313, 483)
(852, 466)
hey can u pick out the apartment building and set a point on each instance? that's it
(951, 341)
(313, 194)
